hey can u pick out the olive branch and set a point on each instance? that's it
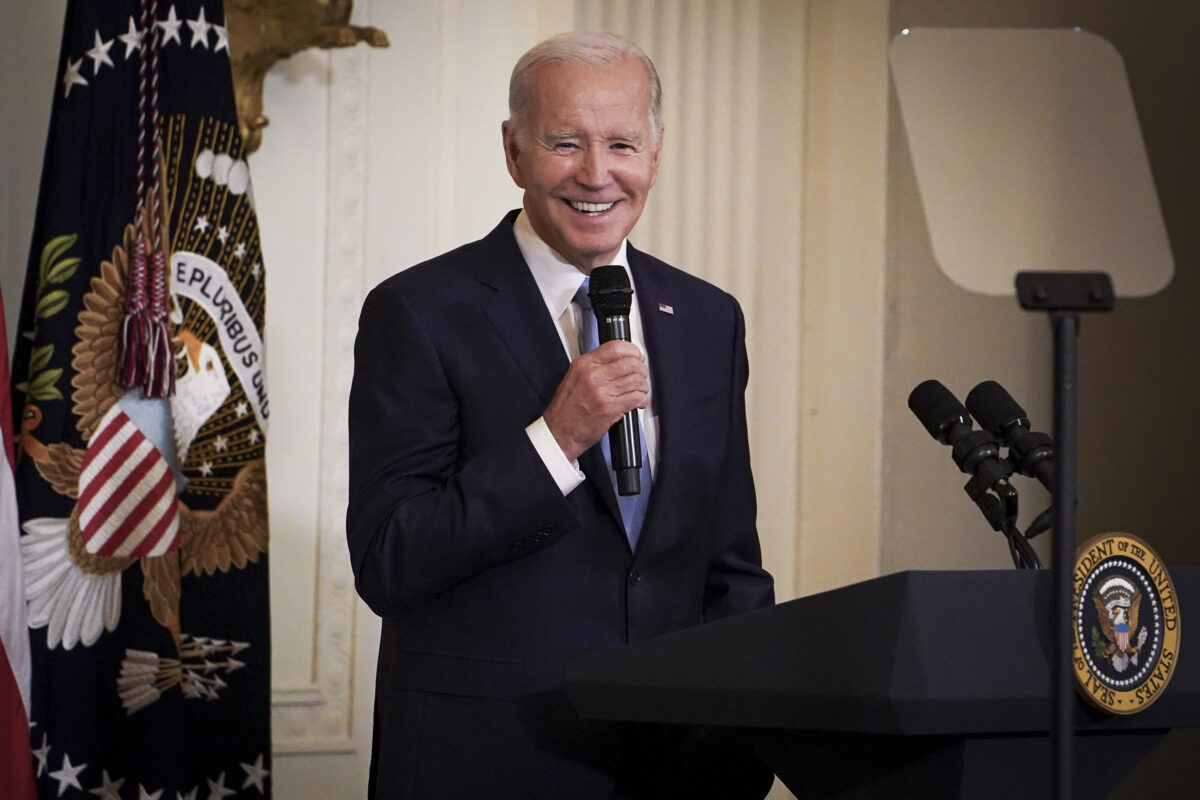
(55, 269)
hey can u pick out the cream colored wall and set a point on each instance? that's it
(786, 179)
(843, 294)
(779, 183)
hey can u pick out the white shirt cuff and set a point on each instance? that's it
(564, 471)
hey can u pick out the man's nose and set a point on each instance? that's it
(594, 168)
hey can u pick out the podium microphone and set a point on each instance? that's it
(975, 452)
(611, 297)
(1031, 453)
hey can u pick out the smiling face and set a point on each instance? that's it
(586, 157)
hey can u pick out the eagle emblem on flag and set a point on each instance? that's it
(128, 510)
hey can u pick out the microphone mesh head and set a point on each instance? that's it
(995, 409)
(937, 408)
(609, 291)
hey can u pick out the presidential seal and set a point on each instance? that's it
(1126, 621)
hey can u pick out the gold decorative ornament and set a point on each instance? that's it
(262, 32)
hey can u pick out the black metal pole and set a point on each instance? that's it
(1064, 295)
(1066, 366)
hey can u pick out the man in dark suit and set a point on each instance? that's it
(483, 523)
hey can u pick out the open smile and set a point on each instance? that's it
(591, 209)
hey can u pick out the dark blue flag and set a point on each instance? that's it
(139, 396)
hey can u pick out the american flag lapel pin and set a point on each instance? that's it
(666, 309)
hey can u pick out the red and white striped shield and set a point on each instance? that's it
(127, 501)
(1122, 632)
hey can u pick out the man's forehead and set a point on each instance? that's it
(550, 75)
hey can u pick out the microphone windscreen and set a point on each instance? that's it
(993, 406)
(609, 291)
(937, 408)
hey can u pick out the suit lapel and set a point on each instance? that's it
(664, 337)
(513, 306)
(516, 311)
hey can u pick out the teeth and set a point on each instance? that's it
(591, 208)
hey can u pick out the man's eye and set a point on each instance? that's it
(565, 147)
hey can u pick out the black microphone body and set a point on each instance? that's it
(611, 297)
(1031, 453)
(975, 452)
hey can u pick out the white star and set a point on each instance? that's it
(241, 408)
(201, 225)
(222, 39)
(221, 444)
(41, 754)
(240, 250)
(108, 788)
(72, 77)
(255, 774)
(217, 788)
(189, 796)
(256, 270)
(99, 53)
(254, 436)
(132, 39)
(170, 28)
(223, 234)
(206, 468)
(200, 28)
(68, 775)
(145, 795)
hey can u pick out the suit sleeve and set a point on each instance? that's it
(736, 580)
(422, 516)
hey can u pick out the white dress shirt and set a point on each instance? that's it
(558, 280)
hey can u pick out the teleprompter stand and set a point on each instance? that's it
(1064, 295)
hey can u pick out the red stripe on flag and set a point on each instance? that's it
(112, 477)
(134, 521)
(16, 754)
(106, 432)
(112, 466)
(132, 477)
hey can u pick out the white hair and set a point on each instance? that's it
(579, 48)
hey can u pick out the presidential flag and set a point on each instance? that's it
(139, 396)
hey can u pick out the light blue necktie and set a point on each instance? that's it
(633, 507)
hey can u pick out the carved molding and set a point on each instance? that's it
(317, 718)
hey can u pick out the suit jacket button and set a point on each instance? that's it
(635, 577)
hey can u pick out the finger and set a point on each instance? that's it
(615, 350)
(617, 368)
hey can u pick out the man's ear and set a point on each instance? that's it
(657, 157)
(512, 153)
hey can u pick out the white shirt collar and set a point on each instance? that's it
(557, 279)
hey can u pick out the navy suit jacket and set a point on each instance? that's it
(487, 578)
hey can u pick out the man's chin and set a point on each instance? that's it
(588, 257)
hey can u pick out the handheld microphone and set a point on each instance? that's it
(611, 297)
(975, 452)
(1031, 453)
